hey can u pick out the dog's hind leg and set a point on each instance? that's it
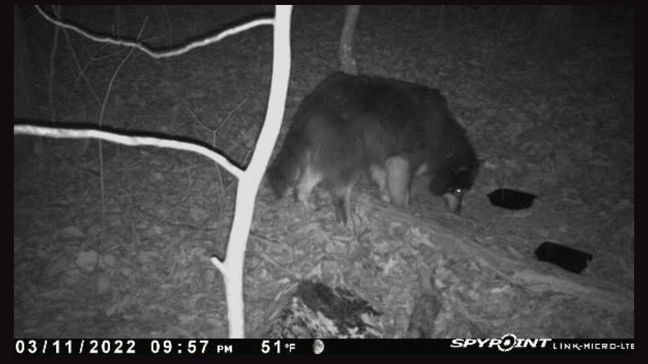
(308, 180)
(379, 175)
(341, 194)
(398, 180)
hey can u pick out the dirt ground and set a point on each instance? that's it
(115, 241)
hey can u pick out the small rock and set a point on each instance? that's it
(87, 260)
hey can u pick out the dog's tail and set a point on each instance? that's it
(286, 169)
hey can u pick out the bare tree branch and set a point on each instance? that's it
(58, 132)
(149, 51)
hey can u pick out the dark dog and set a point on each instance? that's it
(394, 129)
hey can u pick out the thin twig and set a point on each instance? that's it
(229, 114)
(233, 139)
(57, 10)
(101, 115)
(78, 65)
(198, 119)
(114, 75)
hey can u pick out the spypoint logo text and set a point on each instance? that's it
(505, 343)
